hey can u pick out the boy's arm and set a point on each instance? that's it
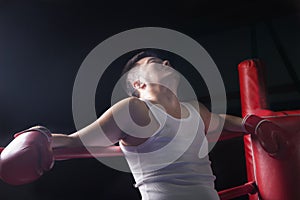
(232, 123)
(227, 125)
(124, 121)
(103, 132)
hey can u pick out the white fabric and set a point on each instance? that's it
(167, 166)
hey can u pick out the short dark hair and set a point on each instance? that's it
(132, 63)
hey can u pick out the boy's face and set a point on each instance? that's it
(155, 70)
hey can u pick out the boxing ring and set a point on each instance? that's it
(273, 168)
(272, 158)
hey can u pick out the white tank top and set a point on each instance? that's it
(173, 164)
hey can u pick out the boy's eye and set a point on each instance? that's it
(154, 60)
(158, 61)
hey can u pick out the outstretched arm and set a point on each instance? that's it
(103, 132)
(34, 150)
(123, 121)
(232, 123)
(228, 125)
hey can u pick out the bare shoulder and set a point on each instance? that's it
(139, 111)
(130, 102)
(201, 108)
(139, 124)
(204, 113)
(133, 108)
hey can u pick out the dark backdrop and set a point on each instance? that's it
(44, 42)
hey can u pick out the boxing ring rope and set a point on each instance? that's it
(81, 152)
(270, 177)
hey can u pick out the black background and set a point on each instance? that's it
(43, 43)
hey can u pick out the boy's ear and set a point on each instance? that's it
(139, 85)
(142, 85)
(136, 84)
(166, 62)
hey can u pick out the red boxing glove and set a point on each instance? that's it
(26, 158)
(267, 133)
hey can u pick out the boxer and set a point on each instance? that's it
(146, 122)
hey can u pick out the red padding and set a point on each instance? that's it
(252, 86)
(278, 176)
(253, 98)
